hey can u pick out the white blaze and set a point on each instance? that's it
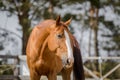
(69, 47)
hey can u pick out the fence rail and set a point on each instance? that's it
(8, 77)
(102, 77)
(21, 71)
(101, 58)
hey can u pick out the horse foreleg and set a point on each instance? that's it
(52, 76)
(66, 74)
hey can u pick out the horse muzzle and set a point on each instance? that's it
(67, 62)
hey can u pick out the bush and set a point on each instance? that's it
(6, 70)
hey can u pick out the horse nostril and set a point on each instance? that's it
(68, 61)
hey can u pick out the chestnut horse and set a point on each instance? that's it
(52, 49)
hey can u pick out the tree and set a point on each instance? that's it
(26, 10)
(113, 43)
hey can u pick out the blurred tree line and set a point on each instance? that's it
(31, 11)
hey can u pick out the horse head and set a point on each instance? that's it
(59, 41)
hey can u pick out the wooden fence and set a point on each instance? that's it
(21, 71)
(102, 77)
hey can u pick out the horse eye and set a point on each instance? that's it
(59, 36)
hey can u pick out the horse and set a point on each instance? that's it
(52, 49)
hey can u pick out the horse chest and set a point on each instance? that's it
(44, 67)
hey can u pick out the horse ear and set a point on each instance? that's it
(58, 20)
(68, 21)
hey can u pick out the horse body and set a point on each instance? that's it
(50, 50)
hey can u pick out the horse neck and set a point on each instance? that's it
(43, 47)
(39, 36)
(44, 28)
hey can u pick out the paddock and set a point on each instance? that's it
(21, 71)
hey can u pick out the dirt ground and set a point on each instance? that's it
(42, 78)
(45, 78)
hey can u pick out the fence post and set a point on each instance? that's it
(100, 67)
(16, 70)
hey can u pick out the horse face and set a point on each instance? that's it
(57, 39)
(60, 43)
